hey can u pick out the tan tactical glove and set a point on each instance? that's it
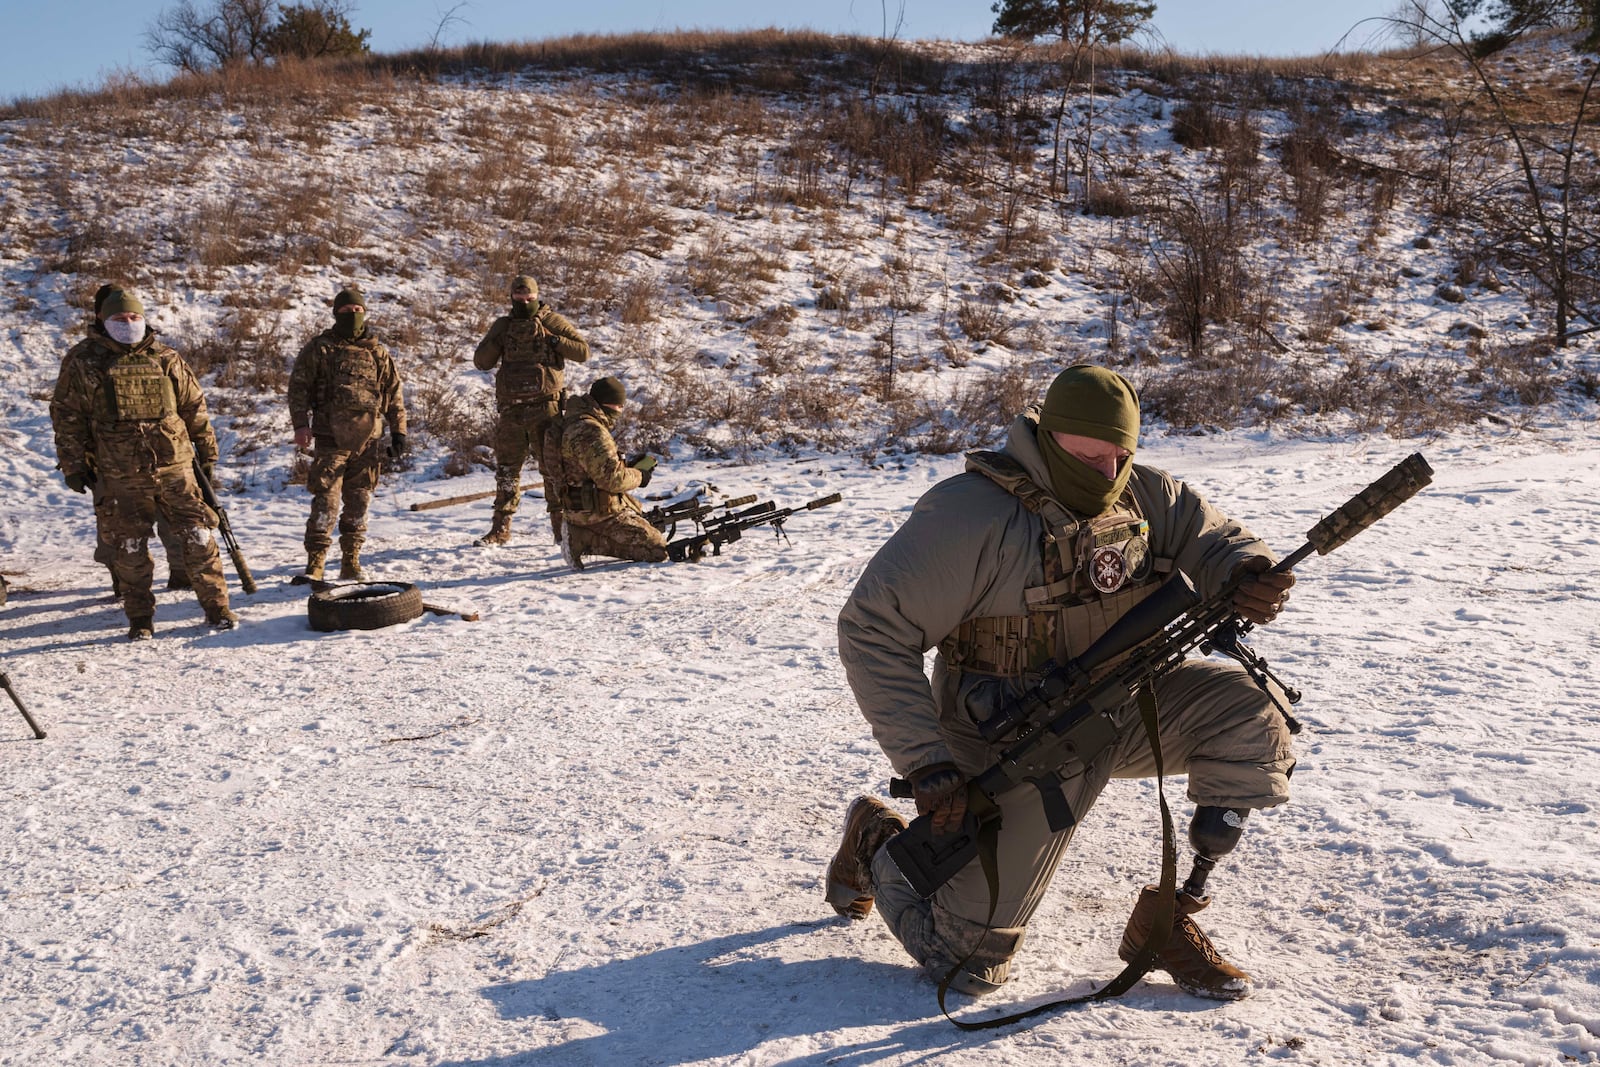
(1261, 596)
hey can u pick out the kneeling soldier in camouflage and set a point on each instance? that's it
(1026, 558)
(130, 422)
(342, 389)
(580, 456)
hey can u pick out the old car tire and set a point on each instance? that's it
(364, 606)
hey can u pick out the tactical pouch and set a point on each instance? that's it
(139, 390)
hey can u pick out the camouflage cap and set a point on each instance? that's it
(1093, 402)
(525, 281)
(608, 391)
(350, 294)
(119, 302)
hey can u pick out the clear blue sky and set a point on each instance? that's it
(76, 43)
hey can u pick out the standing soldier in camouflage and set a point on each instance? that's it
(581, 458)
(342, 389)
(530, 346)
(131, 405)
(105, 553)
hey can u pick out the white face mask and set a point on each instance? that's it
(124, 331)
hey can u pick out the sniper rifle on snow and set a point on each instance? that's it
(666, 517)
(1060, 724)
(247, 581)
(725, 529)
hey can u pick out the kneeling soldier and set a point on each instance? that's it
(580, 456)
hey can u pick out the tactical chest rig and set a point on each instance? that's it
(137, 389)
(351, 385)
(530, 367)
(1095, 570)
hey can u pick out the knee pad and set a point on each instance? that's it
(1213, 832)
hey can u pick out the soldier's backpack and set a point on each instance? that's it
(553, 467)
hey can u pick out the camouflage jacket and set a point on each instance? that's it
(128, 410)
(530, 353)
(597, 481)
(342, 388)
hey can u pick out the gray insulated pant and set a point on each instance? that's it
(1216, 726)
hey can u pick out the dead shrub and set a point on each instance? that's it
(1201, 268)
(641, 299)
(1198, 125)
(983, 320)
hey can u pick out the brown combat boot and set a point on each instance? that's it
(221, 617)
(499, 533)
(350, 566)
(868, 823)
(316, 560)
(142, 628)
(1189, 956)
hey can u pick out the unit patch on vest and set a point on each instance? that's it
(1115, 553)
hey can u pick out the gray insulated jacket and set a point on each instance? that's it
(968, 551)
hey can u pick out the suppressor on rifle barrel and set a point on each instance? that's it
(1400, 484)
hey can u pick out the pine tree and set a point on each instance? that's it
(1081, 21)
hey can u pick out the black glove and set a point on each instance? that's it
(1260, 595)
(940, 790)
(78, 481)
(209, 470)
(646, 466)
(397, 444)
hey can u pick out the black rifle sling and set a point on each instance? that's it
(1166, 905)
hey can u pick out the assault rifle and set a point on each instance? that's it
(5, 683)
(666, 518)
(725, 529)
(247, 581)
(1060, 724)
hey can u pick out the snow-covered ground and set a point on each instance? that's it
(591, 827)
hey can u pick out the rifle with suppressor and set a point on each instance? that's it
(666, 518)
(1070, 716)
(5, 683)
(247, 581)
(726, 529)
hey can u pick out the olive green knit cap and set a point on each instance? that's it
(1093, 402)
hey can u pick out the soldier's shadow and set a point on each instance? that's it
(720, 999)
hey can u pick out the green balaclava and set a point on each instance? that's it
(349, 323)
(522, 309)
(1091, 402)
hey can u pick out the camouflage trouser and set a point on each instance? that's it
(1216, 726)
(519, 437)
(126, 511)
(340, 476)
(105, 553)
(625, 535)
